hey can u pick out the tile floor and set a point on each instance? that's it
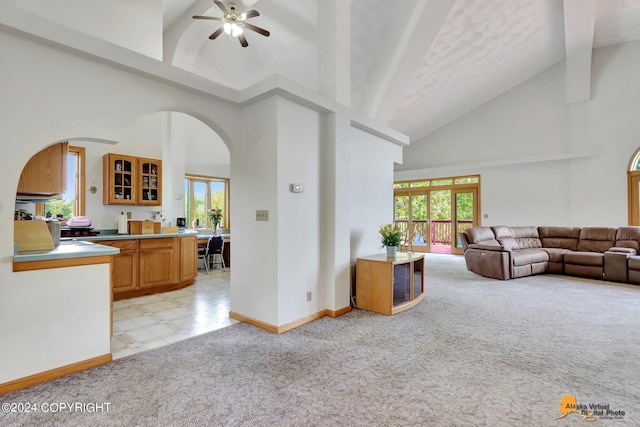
(153, 321)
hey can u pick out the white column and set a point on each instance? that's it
(337, 213)
(173, 161)
(334, 82)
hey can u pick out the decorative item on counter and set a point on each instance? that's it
(54, 229)
(216, 219)
(23, 214)
(122, 224)
(79, 222)
(391, 236)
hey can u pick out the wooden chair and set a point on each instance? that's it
(409, 236)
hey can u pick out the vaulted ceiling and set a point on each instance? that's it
(416, 65)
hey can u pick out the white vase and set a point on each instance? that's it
(392, 251)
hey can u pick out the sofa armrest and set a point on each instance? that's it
(622, 250)
(497, 248)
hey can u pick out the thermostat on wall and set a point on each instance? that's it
(296, 188)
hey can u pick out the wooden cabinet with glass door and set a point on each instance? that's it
(149, 182)
(119, 179)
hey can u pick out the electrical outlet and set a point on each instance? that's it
(485, 216)
(308, 295)
(262, 215)
(128, 215)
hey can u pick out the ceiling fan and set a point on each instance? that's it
(234, 23)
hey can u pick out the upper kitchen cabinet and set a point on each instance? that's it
(131, 180)
(45, 173)
(119, 179)
(150, 182)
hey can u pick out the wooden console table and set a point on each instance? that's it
(389, 285)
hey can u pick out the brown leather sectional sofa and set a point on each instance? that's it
(503, 252)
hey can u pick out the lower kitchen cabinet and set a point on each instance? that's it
(158, 262)
(188, 258)
(150, 265)
(124, 268)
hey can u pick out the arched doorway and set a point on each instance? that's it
(186, 145)
(633, 188)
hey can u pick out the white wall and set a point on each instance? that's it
(205, 152)
(300, 160)
(55, 319)
(254, 290)
(136, 25)
(542, 161)
(370, 183)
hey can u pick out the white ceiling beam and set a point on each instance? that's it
(421, 30)
(579, 24)
(334, 50)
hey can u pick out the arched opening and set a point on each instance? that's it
(633, 188)
(186, 146)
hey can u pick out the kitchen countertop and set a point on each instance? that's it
(66, 249)
(98, 238)
(88, 246)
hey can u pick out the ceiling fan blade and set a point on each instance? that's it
(222, 7)
(213, 18)
(251, 14)
(256, 29)
(243, 40)
(216, 33)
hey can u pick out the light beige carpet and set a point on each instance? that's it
(476, 352)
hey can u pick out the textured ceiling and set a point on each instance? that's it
(415, 64)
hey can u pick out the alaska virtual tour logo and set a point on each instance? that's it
(589, 412)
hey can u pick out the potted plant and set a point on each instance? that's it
(216, 218)
(391, 236)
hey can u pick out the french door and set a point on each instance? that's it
(465, 208)
(437, 212)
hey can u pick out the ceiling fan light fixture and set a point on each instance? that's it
(232, 29)
(234, 24)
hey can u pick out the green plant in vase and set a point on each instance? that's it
(391, 237)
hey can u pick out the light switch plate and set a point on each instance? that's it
(262, 215)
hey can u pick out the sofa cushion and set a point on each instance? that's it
(559, 237)
(634, 263)
(596, 239)
(481, 235)
(516, 238)
(528, 256)
(556, 254)
(502, 231)
(628, 237)
(594, 259)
